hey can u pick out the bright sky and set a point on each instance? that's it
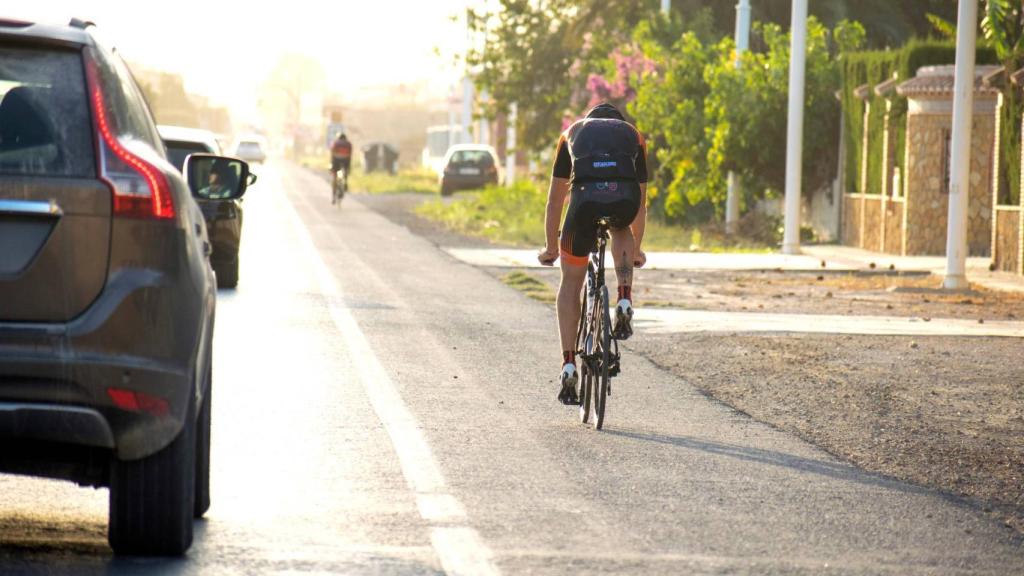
(225, 49)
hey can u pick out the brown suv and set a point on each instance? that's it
(106, 292)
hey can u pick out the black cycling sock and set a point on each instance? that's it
(568, 357)
(626, 292)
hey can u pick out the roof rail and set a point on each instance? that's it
(12, 23)
(80, 24)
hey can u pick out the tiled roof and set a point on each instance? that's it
(886, 87)
(938, 81)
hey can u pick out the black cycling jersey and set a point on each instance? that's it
(601, 149)
(605, 161)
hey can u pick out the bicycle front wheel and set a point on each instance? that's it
(603, 336)
(584, 347)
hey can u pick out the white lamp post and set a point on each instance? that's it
(732, 200)
(510, 144)
(960, 147)
(795, 127)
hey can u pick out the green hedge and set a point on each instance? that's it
(1009, 140)
(875, 67)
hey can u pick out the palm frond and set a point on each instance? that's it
(998, 14)
(945, 28)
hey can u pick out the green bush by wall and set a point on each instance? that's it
(873, 68)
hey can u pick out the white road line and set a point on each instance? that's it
(460, 548)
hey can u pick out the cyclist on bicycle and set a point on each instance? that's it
(601, 170)
(341, 154)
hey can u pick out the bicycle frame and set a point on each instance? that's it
(595, 284)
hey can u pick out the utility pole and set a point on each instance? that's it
(510, 144)
(485, 125)
(732, 200)
(795, 127)
(960, 147)
(467, 110)
(452, 103)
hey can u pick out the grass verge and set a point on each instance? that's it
(529, 286)
(515, 215)
(418, 181)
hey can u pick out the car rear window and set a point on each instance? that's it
(45, 127)
(473, 157)
(178, 151)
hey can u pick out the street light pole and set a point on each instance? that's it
(732, 199)
(795, 127)
(960, 147)
(510, 144)
(467, 110)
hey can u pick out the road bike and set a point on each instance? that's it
(339, 185)
(597, 351)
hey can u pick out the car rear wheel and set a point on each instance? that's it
(202, 496)
(152, 499)
(227, 274)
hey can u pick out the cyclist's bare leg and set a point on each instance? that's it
(623, 246)
(569, 291)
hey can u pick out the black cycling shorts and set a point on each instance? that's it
(338, 163)
(619, 202)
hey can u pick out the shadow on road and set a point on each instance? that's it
(835, 470)
(37, 545)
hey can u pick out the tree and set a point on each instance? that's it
(746, 110)
(539, 53)
(669, 109)
(1003, 27)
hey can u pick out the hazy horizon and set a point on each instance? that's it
(363, 47)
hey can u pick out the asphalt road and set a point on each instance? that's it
(382, 408)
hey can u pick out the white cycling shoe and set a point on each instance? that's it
(568, 378)
(623, 320)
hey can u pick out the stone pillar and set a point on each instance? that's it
(995, 178)
(1020, 198)
(864, 175)
(905, 193)
(886, 164)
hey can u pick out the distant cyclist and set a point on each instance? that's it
(601, 170)
(341, 154)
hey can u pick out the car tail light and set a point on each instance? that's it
(134, 401)
(140, 189)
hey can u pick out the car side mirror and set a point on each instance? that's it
(213, 177)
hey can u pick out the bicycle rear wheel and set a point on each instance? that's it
(583, 350)
(603, 337)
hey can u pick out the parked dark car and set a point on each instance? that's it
(107, 297)
(223, 217)
(469, 166)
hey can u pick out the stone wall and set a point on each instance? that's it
(873, 223)
(851, 219)
(928, 199)
(1007, 249)
(893, 226)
